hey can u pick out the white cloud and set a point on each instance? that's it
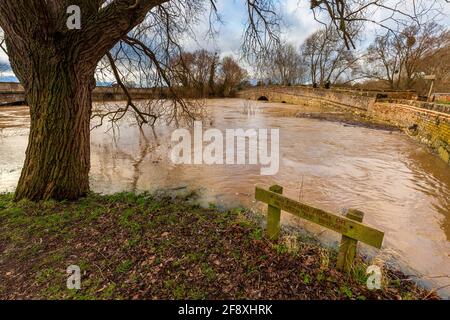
(300, 21)
(297, 16)
(3, 57)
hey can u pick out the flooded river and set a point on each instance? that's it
(402, 188)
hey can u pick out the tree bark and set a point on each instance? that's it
(56, 67)
(58, 154)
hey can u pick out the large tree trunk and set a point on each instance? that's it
(56, 67)
(58, 155)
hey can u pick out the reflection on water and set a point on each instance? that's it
(402, 189)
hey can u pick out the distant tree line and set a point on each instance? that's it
(401, 61)
(394, 60)
(205, 74)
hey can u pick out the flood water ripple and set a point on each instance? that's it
(403, 189)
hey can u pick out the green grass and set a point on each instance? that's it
(148, 246)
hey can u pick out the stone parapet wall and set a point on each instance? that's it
(344, 97)
(11, 92)
(444, 108)
(9, 97)
(11, 87)
(116, 94)
(429, 127)
(308, 99)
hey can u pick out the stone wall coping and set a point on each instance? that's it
(417, 109)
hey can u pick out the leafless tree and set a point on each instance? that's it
(398, 59)
(231, 75)
(383, 61)
(196, 72)
(395, 14)
(2, 42)
(436, 62)
(327, 58)
(284, 66)
(3, 66)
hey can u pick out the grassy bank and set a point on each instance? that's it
(159, 247)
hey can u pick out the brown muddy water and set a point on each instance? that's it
(403, 189)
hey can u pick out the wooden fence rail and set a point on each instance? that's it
(350, 226)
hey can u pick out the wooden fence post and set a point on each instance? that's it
(347, 249)
(273, 216)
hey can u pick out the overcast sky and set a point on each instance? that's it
(299, 24)
(298, 20)
(297, 16)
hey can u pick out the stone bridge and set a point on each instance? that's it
(429, 123)
(357, 99)
(14, 93)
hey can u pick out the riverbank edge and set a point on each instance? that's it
(161, 246)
